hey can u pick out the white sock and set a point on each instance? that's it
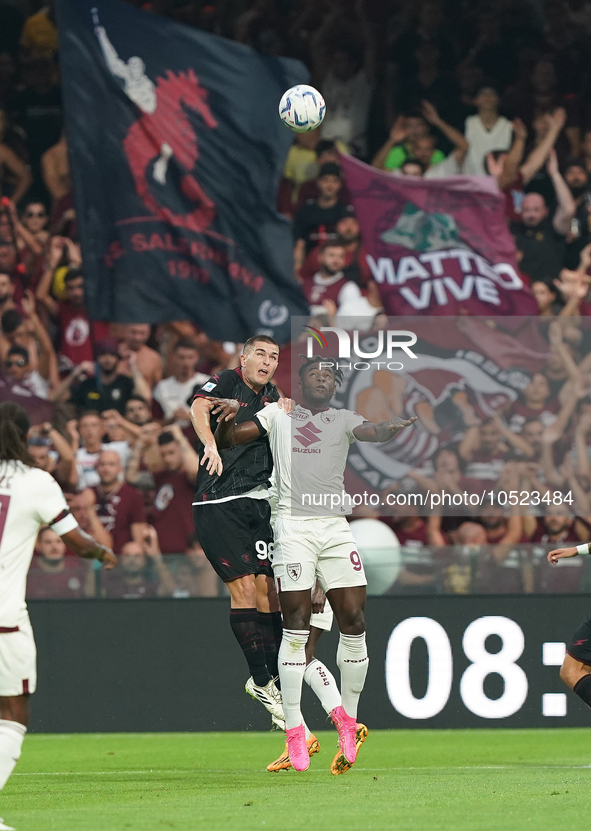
(323, 684)
(352, 661)
(11, 740)
(292, 664)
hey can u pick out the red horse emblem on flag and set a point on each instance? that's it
(163, 134)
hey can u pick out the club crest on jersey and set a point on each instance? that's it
(328, 417)
(294, 570)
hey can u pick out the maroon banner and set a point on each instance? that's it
(437, 246)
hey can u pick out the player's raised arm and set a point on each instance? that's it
(229, 433)
(86, 546)
(562, 553)
(200, 414)
(385, 430)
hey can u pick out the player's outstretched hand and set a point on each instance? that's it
(561, 553)
(109, 560)
(225, 408)
(212, 458)
(285, 404)
(396, 424)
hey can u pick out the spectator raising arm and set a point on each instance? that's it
(166, 584)
(459, 142)
(566, 204)
(20, 171)
(540, 153)
(190, 458)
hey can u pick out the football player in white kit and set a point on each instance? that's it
(310, 445)
(29, 499)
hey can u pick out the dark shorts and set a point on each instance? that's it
(236, 536)
(580, 646)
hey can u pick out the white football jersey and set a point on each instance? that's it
(29, 499)
(309, 456)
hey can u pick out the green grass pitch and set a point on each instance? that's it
(423, 780)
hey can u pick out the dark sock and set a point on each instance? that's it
(583, 689)
(246, 628)
(272, 630)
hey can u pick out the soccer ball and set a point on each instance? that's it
(302, 108)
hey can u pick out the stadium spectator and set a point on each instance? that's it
(344, 69)
(174, 468)
(119, 506)
(29, 333)
(18, 369)
(539, 238)
(37, 108)
(547, 298)
(171, 394)
(106, 388)
(77, 333)
(89, 436)
(484, 449)
(83, 510)
(327, 152)
(39, 33)
(7, 289)
(537, 95)
(409, 138)
(15, 177)
(356, 268)
(577, 178)
(53, 575)
(330, 291)
(141, 571)
(53, 453)
(299, 168)
(536, 402)
(422, 146)
(486, 131)
(34, 219)
(137, 411)
(315, 222)
(204, 582)
(136, 355)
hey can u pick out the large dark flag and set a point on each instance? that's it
(176, 150)
(437, 246)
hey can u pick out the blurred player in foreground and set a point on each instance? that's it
(576, 667)
(30, 498)
(313, 537)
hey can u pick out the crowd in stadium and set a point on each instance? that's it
(492, 89)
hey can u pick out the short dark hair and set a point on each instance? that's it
(165, 438)
(18, 350)
(332, 243)
(73, 274)
(136, 397)
(330, 169)
(10, 321)
(185, 343)
(89, 413)
(323, 146)
(250, 342)
(14, 427)
(327, 363)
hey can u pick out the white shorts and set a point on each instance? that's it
(310, 548)
(18, 660)
(323, 620)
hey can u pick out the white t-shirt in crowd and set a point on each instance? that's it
(172, 394)
(347, 109)
(483, 141)
(29, 499)
(309, 455)
(86, 462)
